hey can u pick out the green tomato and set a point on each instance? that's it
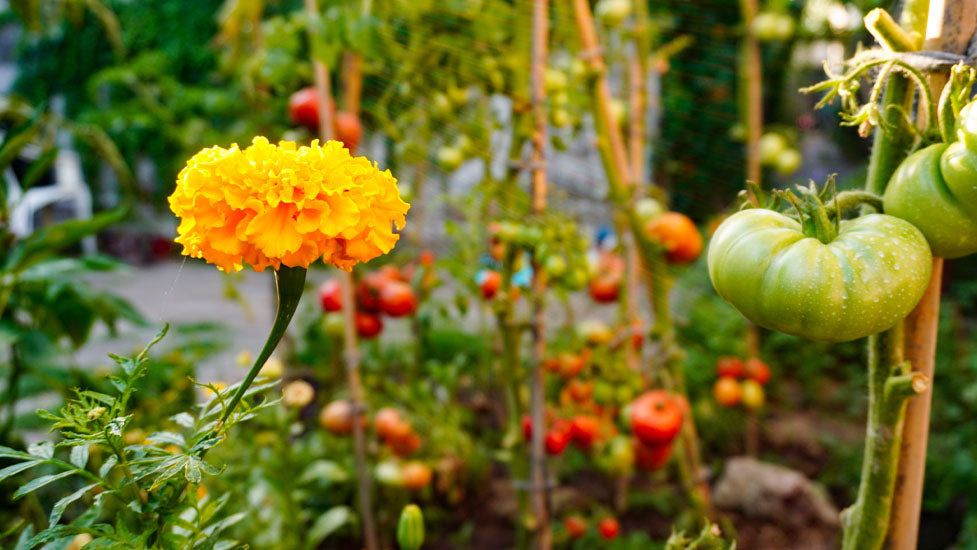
(450, 158)
(935, 190)
(648, 209)
(555, 266)
(788, 161)
(863, 282)
(555, 80)
(613, 12)
(772, 145)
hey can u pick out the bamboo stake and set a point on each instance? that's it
(540, 495)
(950, 26)
(352, 357)
(753, 75)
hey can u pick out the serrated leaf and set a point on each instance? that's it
(109, 463)
(168, 438)
(183, 419)
(60, 506)
(42, 449)
(14, 469)
(328, 523)
(36, 484)
(79, 456)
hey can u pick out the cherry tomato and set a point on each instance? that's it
(397, 299)
(757, 370)
(368, 325)
(753, 395)
(406, 445)
(527, 427)
(656, 417)
(552, 364)
(729, 366)
(303, 107)
(605, 288)
(727, 391)
(609, 528)
(556, 441)
(337, 417)
(678, 235)
(368, 292)
(651, 457)
(576, 526)
(571, 364)
(348, 128)
(580, 390)
(584, 430)
(330, 295)
(416, 475)
(390, 425)
(488, 281)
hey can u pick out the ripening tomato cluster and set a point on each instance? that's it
(559, 248)
(741, 383)
(386, 291)
(576, 527)
(392, 429)
(303, 108)
(583, 430)
(656, 420)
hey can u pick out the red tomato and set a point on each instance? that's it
(330, 296)
(527, 427)
(651, 457)
(390, 272)
(584, 430)
(489, 282)
(757, 370)
(427, 258)
(390, 425)
(348, 128)
(416, 475)
(575, 526)
(303, 107)
(571, 364)
(337, 417)
(406, 445)
(368, 292)
(397, 299)
(729, 366)
(727, 391)
(609, 528)
(552, 364)
(556, 442)
(368, 325)
(605, 288)
(580, 390)
(656, 417)
(678, 234)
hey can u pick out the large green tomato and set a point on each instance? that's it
(936, 189)
(862, 282)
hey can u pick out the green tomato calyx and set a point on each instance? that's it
(820, 212)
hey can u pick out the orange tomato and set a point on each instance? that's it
(571, 364)
(584, 430)
(576, 526)
(727, 391)
(406, 445)
(757, 370)
(580, 390)
(337, 417)
(348, 128)
(678, 235)
(605, 288)
(416, 475)
(390, 425)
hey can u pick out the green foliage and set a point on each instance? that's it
(138, 494)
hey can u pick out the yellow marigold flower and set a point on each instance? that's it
(268, 205)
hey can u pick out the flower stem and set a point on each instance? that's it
(289, 284)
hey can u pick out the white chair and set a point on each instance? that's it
(68, 186)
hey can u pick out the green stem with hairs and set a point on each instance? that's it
(289, 285)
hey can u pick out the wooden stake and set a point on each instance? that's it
(950, 26)
(540, 494)
(352, 357)
(753, 75)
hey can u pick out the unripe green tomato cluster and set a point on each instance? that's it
(777, 153)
